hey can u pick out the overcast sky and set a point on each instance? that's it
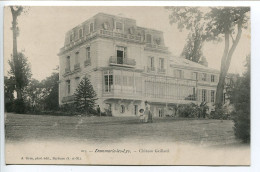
(42, 33)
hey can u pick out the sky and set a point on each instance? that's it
(42, 34)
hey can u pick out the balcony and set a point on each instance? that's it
(132, 37)
(76, 67)
(156, 47)
(67, 70)
(126, 62)
(161, 70)
(150, 69)
(87, 62)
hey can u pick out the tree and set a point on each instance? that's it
(16, 11)
(51, 92)
(240, 98)
(85, 96)
(193, 48)
(20, 70)
(215, 23)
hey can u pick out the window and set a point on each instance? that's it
(204, 77)
(121, 54)
(119, 26)
(80, 33)
(212, 96)
(77, 79)
(194, 75)
(161, 63)
(193, 93)
(149, 38)
(68, 63)
(151, 63)
(68, 87)
(212, 78)
(88, 53)
(76, 57)
(108, 77)
(122, 109)
(178, 73)
(136, 109)
(91, 27)
(204, 92)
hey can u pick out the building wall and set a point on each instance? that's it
(161, 89)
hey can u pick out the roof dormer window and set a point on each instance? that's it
(80, 33)
(119, 26)
(91, 27)
(149, 38)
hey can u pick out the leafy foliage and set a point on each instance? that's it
(51, 92)
(22, 71)
(240, 98)
(214, 23)
(193, 110)
(193, 48)
(85, 96)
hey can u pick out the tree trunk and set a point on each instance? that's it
(225, 63)
(15, 14)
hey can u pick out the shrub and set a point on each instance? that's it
(242, 125)
(19, 106)
(9, 107)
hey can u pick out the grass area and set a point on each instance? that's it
(117, 129)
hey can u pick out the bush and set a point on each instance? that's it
(242, 125)
(219, 113)
(9, 107)
(19, 106)
(186, 111)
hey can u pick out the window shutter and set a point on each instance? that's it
(199, 98)
(199, 76)
(182, 74)
(208, 95)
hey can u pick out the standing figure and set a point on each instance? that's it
(98, 110)
(147, 112)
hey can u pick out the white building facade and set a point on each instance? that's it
(128, 65)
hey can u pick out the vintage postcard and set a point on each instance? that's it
(123, 85)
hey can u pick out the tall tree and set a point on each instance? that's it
(51, 92)
(226, 22)
(20, 69)
(16, 11)
(216, 23)
(85, 96)
(193, 48)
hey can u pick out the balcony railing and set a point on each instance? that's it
(150, 69)
(77, 66)
(120, 35)
(155, 46)
(122, 62)
(67, 70)
(161, 70)
(87, 62)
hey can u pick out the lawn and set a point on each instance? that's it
(117, 129)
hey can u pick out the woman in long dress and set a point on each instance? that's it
(146, 112)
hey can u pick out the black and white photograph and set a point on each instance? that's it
(127, 85)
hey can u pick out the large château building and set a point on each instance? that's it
(128, 65)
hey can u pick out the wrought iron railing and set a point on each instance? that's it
(123, 61)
